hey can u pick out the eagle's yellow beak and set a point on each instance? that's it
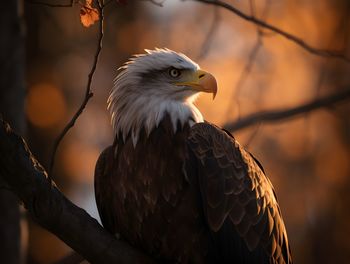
(203, 82)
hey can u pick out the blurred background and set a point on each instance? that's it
(307, 158)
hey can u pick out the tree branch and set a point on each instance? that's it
(251, 60)
(52, 210)
(248, 68)
(245, 74)
(50, 4)
(263, 24)
(210, 35)
(155, 2)
(278, 115)
(88, 91)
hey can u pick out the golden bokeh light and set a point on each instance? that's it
(45, 105)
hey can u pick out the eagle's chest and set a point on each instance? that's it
(157, 202)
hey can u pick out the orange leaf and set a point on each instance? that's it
(88, 14)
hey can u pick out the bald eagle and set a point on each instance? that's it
(175, 186)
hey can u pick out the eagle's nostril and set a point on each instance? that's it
(201, 76)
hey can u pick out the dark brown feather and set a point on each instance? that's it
(194, 196)
(150, 199)
(254, 214)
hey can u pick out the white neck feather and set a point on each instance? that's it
(130, 116)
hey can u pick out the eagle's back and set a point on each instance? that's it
(192, 196)
(145, 195)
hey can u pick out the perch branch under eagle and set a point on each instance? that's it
(175, 186)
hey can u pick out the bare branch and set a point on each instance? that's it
(53, 211)
(251, 59)
(249, 66)
(88, 91)
(278, 115)
(263, 24)
(245, 73)
(252, 136)
(210, 35)
(107, 3)
(339, 35)
(50, 4)
(157, 3)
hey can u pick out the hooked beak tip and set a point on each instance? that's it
(208, 83)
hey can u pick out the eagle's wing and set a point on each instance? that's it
(238, 200)
(105, 188)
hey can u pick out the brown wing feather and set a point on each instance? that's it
(143, 194)
(104, 189)
(238, 199)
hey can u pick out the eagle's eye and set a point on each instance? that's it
(174, 73)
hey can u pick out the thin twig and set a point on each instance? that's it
(157, 3)
(210, 35)
(88, 92)
(278, 115)
(107, 3)
(249, 66)
(291, 37)
(252, 136)
(251, 59)
(50, 4)
(244, 74)
(340, 30)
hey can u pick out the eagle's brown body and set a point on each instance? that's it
(194, 196)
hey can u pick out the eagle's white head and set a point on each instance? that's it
(153, 84)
